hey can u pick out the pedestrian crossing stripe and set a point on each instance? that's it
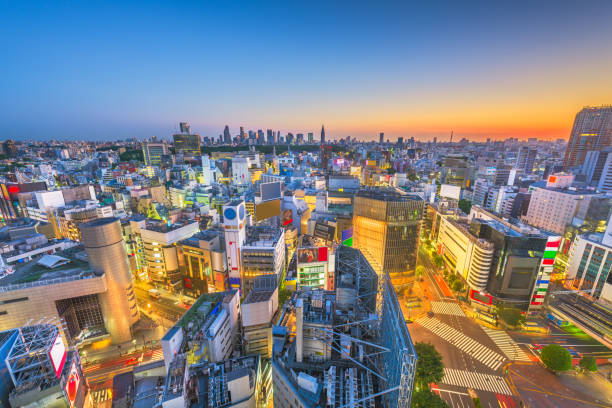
(464, 343)
(447, 308)
(477, 381)
(507, 345)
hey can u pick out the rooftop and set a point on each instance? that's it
(387, 194)
(262, 236)
(33, 273)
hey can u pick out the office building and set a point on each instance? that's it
(381, 138)
(201, 260)
(592, 130)
(553, 209)
(521, 263)
(159, 255)
(240, 170)
(386, 227)
(590, 263)
(186, 143)
(309, 371)
(322, 134)
(153, 152)
(262, 253)
(258, 311)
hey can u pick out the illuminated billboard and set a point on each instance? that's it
(58, 355)
(72, 385)
(267, 210)
(309, 255)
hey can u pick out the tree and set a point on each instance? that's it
(418, 272)
(465, 206)
(556, 358)
(427, 399)
(457, 286)
(429, 366)
(511, 316)
(588, 363)
(438, 261)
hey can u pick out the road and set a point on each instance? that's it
(101, 372)
(468, 353)
(167, 308)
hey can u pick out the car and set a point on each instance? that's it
(430, 314)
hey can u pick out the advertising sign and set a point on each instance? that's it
(58, 355)
(481, 297)
(308, 255)
(72, 385)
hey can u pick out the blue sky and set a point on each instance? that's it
(109, 70)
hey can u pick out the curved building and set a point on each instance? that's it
(480, 265)
(106, 252)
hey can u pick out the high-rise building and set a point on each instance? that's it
(322, 134)
(381, 138)
(227, 137)
(592, 131)
(270, 136)
(234, 215)
(153, 151)
(242, 135)
(310, 137)
(386, 228)
(525, 159)
(187, 143)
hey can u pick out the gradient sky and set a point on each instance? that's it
(105, 70)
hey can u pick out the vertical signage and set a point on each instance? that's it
(543, 278)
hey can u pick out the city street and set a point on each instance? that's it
(477, 357)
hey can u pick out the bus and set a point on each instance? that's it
(486, 317)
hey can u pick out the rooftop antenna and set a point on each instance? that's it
(451, 139)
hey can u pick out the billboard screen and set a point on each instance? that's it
(450, 191)
(347, 237)
(72, 385)
(58, 355)
(270, 191)
(308, 255)
(481, 297)
(267, 210)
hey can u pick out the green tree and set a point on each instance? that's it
(556, 358)
(438, 261)
(429, 366)
(418, 272)
(588, 363)
(427, 399)
(457, 286)
(511, 316)
(465, 206)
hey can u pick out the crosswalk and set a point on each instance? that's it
(464, 343)
(447, 308)
(477, 381)
(506, 345)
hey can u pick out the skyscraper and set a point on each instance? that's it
(310, 137)
(386, 227)
(242, 134)
(227, 137)
(592, 131)
(152, 152)
(322, 134)
(381, 137)
(185, 142)
(270, 136)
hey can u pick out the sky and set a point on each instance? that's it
(113, 70)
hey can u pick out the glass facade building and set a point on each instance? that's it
(386, 227)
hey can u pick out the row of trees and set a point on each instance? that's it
(429, 370)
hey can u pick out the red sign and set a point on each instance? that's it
(481, 297)
(72, 385)
(58, 355)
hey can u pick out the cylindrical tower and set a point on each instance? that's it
(106, 252)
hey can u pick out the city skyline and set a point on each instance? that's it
(118, 71)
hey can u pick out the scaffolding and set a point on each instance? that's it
(395, 357)
(29, 360)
